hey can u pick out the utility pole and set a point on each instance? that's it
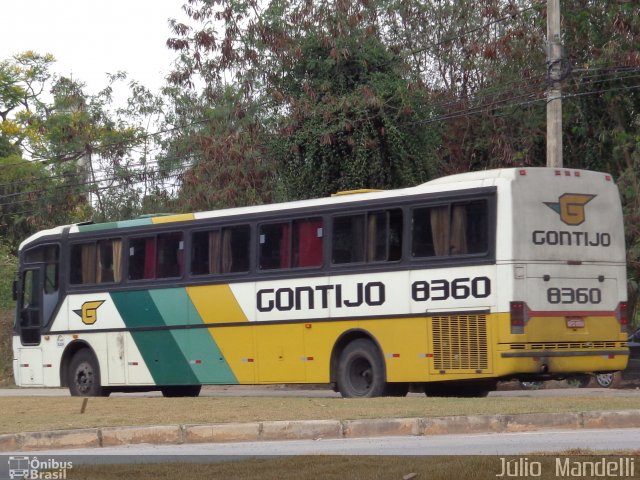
(554, 91)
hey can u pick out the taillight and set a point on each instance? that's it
(519, 316)
(622, 316)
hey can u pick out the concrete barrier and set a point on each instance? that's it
(301, 430)
(314, 429)
(224, 432)
(160, 434)
(381, 427)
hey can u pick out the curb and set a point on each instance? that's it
(314, 430)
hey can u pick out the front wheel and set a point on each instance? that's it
(361, 370)
(608, 380)
(84, 375)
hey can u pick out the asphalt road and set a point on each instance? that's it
(468, 444)
(285, 391)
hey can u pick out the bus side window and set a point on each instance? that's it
(220, 251)
(348, 239)
(476, 226)
(109, 261)
(205, 252)
(51, 269)
(96, 262)
(307, 242)
(235, 249)
(170, 258)
(372, 237)
(456, 229)
(384, 236)
(142, 254)
(83, 263)
(275, 246)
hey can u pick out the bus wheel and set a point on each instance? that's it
(361, 370)
(181, 391)
(84, 375)
(608, 380)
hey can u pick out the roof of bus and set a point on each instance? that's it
(442, 184)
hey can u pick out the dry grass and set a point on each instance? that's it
(53, 413)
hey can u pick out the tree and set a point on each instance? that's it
(220, 157)
(335, 103)
(80, 158)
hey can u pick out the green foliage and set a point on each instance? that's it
(387, 93)
(66, 156)
(8, 270)
(355, 124)
(229, 165)
(335, 102)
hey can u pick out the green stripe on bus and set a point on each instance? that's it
(159, 349)
(93, 227)
(203, 354)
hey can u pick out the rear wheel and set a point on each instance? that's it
(361, 370)
(608, 380)
(181, 391)
(84, 375)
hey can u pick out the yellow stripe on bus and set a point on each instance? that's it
(173, 218)
(216, 304)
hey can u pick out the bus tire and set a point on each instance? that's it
(361, 371)
(181, 391)
(608, 380)
(84, 375)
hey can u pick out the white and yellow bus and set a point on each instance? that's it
(452, 285)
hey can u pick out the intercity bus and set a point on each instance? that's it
(449, 286)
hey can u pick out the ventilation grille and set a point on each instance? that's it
(460, 343)
(566, 345)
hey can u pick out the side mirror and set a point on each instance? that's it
(15, 290)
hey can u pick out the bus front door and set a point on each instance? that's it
(30, 324)
(30, 313)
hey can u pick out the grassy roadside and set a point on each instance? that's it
(54, 413)
(6, 354)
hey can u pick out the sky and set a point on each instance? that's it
(89, 38)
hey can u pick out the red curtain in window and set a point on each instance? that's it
(150, 258)
(310, 244)
(285, 246)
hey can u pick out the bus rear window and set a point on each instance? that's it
(459, 228)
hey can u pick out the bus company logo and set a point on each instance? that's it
(32, 468)
(89, 311)
(570, 207)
